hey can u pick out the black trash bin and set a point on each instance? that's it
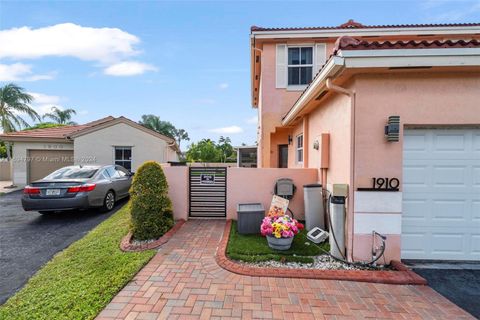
(249, 217)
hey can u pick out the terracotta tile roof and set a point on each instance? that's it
(349, 43)
(54, 133)
(351, 24)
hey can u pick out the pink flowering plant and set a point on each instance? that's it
(280, 226)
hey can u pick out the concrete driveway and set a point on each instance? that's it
(460, 285)
(28, 239)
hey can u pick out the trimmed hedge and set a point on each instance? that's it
(150, 206)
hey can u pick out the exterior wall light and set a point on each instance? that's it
(316, 144)
(290, 139)
(392, 129)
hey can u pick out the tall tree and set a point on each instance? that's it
(166, 128)
(154, 123)
(204, 151)
(181, 135)
(207, 150)
(13, 102)
(61, 116)
(225, 147)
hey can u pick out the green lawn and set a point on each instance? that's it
(254, 248)
(80, 281)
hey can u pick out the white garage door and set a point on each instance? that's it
(441, 194)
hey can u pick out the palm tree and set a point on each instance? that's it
(154, 123)
(14, 101)
(180, 135)
(61, 116)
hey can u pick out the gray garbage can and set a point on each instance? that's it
(314, 211)
(249, 217)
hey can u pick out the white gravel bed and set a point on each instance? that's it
(139, 243)
(322, 262)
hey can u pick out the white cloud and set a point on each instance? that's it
(223, 86)
(43, 103)
(40, 98)
(252, 120)
(21, 72)
(229, 130)
(128, 68)
(105, 45)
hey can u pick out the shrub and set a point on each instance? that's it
(150, 206)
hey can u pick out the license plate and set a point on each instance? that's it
(53, 192)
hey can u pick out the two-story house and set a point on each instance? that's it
(394, 112)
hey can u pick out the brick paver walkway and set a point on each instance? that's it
(183, 281)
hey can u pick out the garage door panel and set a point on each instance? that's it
(476, 143)
(446, 244)
(450, 211)
(449, 175)
(449, 142)
(476, 245)
(44, 162)
(441, 194)
(415, 210)
(415, 243)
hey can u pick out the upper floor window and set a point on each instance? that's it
(300, 65)
(299, 148)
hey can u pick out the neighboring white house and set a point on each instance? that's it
(36, 153)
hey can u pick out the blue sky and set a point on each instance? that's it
(187, 62)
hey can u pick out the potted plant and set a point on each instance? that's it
(280, 231)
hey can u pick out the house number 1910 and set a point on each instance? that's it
(385, 183)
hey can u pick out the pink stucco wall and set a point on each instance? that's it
(419, 99)
(246, 185)
(177, 178)
(275, 103)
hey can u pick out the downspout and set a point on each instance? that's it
(351, 94)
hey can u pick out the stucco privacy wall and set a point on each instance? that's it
(20, 157)
(177, 178)
(100, 144)
(5, 170)
(420, 99)
(253, 185)
(244, 185)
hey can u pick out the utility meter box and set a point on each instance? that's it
(340, 190)
(285, 188)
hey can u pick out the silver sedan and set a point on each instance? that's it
(78, 187)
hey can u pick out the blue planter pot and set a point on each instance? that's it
(279, 243)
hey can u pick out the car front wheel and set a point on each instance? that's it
(109, 201)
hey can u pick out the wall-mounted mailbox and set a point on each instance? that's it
(392, 129)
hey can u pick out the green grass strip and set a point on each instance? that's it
(82, 279)
(254, 248)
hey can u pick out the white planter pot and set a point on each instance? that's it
(279, 243)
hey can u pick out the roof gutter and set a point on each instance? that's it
(333, 66)
(366, 31)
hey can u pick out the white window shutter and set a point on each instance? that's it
(281, 66)
(320, 56)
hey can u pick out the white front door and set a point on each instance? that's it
(441, 194)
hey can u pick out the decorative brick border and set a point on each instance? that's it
(403, 275)
(126, 245)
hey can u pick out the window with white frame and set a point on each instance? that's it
(299, 148)
(123, 157)
(300, 65)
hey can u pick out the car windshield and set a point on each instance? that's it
(72, 173)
